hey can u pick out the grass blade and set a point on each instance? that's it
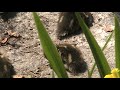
(53, 75)
(90, 72)
(100, 59)
(108, 40)
(49, 49)
(117, 43)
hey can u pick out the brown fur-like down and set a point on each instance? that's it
(72, 59)
(68, 24)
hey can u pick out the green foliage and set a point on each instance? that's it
(117, 43)
(49, 49)
(99, 57)
(90, 72)
(55, 60)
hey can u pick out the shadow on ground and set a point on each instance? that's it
(8, 15)
(6, 68)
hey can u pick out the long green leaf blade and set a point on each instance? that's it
(49, 49)
(100, 59)
(93, 67)
(117, 42)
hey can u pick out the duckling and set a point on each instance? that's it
(72, 58)
(68, 24)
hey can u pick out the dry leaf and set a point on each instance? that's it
(4, 40)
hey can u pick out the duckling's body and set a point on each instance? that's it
(72, 58)
(68, 24)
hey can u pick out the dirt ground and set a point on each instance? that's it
(24, 50)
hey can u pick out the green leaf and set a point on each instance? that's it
(117, 42)
(93, 67)
(90, 72)
(107, 41)
(49, 49)
(53, 75)
(101, 61)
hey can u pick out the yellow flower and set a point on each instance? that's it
(114, 74)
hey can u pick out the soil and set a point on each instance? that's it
(21, 45)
